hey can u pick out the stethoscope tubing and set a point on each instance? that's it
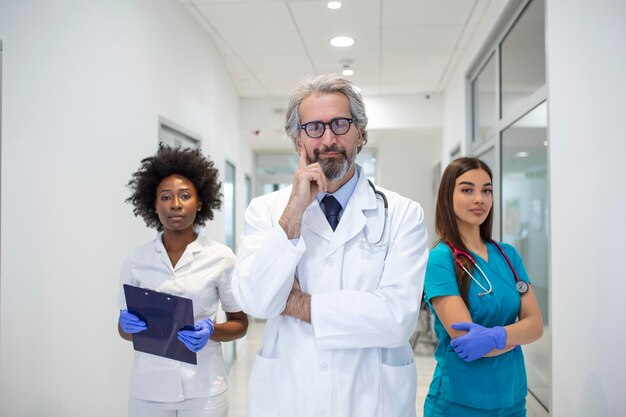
(521, 286)
(386, 211)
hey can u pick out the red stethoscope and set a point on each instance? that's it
(522, 286)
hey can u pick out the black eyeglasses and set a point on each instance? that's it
(316, 129)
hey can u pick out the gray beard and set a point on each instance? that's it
(335, 169)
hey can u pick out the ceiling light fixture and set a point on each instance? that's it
(334, 5)
(346, 67)
(522, 154)
(342, 41)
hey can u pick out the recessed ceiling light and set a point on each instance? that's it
(334, 5)
(545, 143)
(346, 66)
(522, 154)
(342, 41)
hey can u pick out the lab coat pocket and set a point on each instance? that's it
(262, 388)
(399, 385)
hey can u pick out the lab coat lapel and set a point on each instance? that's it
(353, 219)
(315, 220)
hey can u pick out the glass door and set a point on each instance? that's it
(525, 225)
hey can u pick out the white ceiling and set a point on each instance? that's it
(401, 46)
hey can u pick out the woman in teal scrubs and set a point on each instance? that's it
(481, 318)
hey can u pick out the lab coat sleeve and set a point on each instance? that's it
(266, 263)
(387, 316)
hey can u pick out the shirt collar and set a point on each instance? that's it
(344, 193)
(194, 246)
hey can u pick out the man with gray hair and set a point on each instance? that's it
(336, 266)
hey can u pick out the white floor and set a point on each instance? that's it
(248, 346)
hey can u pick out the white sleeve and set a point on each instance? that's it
(387, 316)
(266, 263)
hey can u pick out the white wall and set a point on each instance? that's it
(408, 111)
(83, 86)
(586, 67)
(405, 165)
(406, 130)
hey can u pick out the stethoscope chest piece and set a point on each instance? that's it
(522, 287)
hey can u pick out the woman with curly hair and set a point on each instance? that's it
(174, 191)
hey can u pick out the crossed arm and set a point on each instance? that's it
(298, 303)
(529, 327)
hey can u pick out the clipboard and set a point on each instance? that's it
(165, 314)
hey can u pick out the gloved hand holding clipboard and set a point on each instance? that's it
(165, 315)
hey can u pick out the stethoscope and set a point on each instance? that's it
(521, 286)
(377, 193)
(382, 196)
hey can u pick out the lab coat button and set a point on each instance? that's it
(323, 367)
(330, 261)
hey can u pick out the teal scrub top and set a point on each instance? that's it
(486, 383)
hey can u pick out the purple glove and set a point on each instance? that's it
(196, 339)
(131, 323)
(478, 341)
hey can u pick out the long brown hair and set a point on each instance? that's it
(445, 219)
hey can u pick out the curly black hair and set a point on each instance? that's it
(189, 163)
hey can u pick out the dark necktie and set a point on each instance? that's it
(332, 210)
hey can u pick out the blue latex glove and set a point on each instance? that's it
(478, 341)
(196, 339)
(131, 323)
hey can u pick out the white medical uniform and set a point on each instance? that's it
(203, 274)
(355, 358)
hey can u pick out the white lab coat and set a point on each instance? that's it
(354, 360)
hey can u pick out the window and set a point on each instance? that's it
(523, 58)
(525, 222)
(274, 171)
(175, 135)
(247, 191)
(508, 97)
(228, 188)
(484, 102)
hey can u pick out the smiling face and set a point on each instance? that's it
(335, 153)
(177, 203)
(472, 199)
